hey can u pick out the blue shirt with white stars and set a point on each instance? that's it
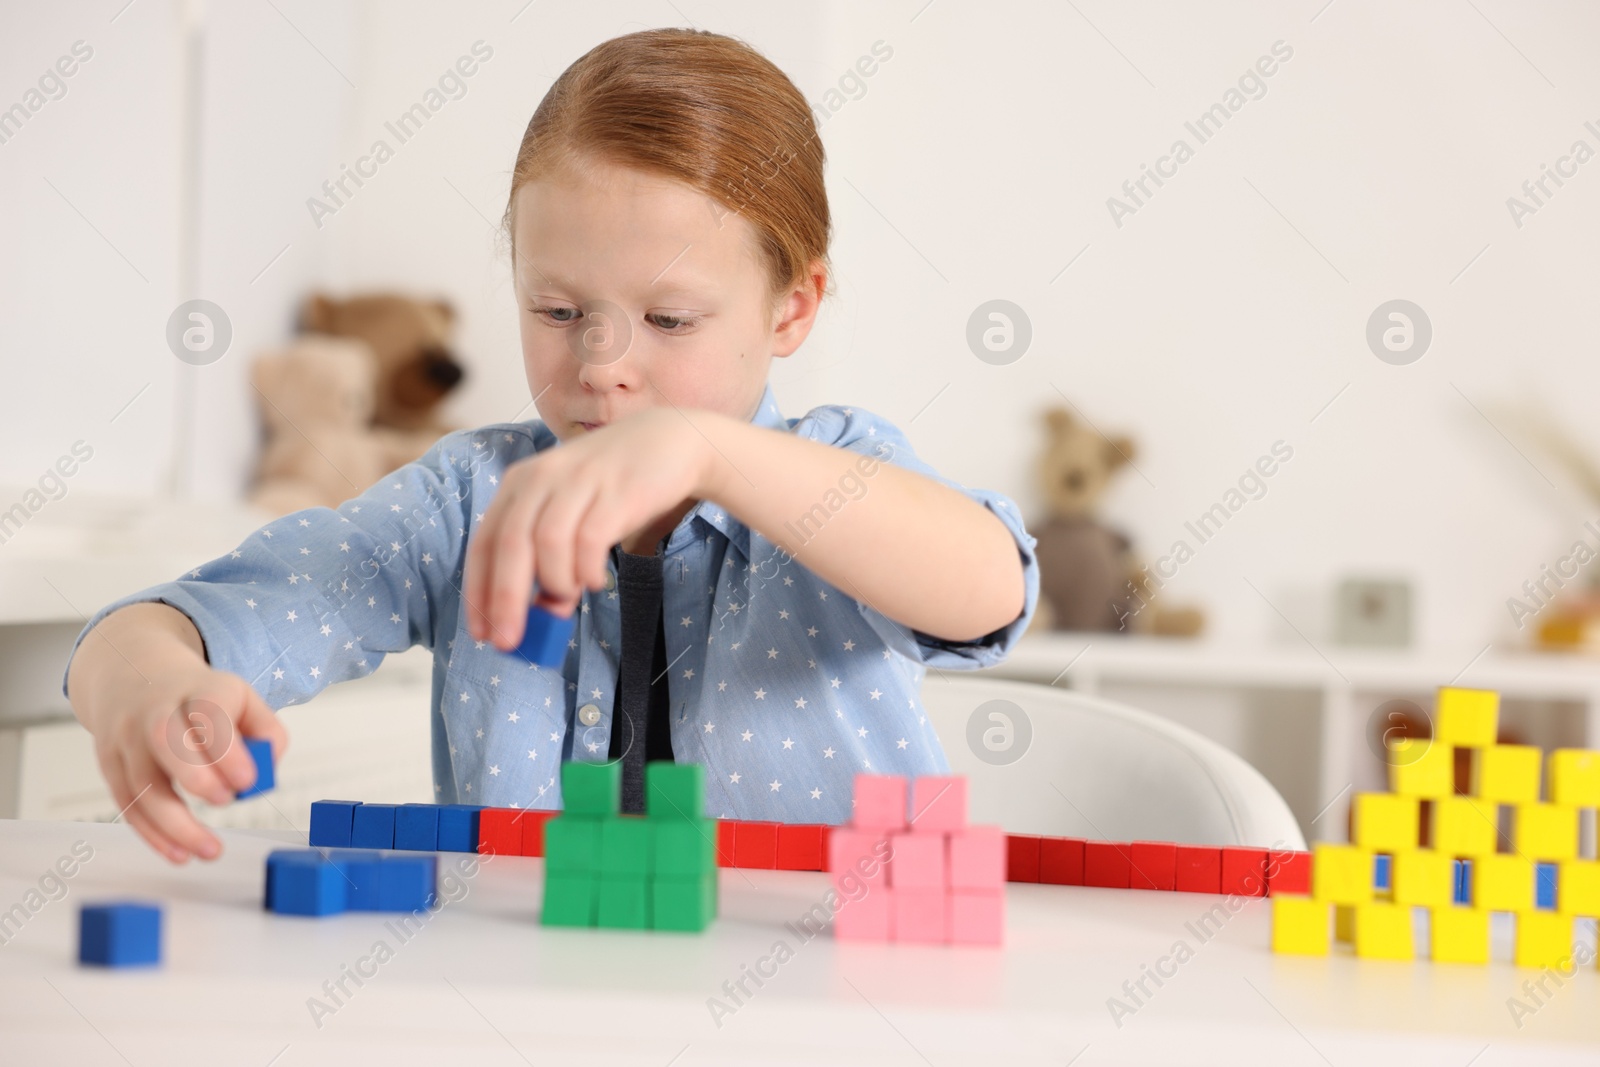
(782, 685)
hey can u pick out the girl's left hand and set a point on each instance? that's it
(558, 513)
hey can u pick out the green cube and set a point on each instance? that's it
(572, 844)
(591, 788)
(684, 848)
(569, 899)
(674, 790)
(624, 903)
(684, 903)
(625, 847)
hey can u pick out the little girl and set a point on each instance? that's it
(758, 594)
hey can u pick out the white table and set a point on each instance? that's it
(482, 983)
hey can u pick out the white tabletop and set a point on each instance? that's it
(482, 983)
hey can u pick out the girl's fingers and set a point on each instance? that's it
(508, 577)
(555, 530)
(112, 767)
(186, 744)
(164, 808)
(602, 526)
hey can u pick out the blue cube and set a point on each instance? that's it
(276, 859)
(1380, 870)
(373, 826)
(409, 883)
(331, 821)
(1544, 886)
(260, 750)
(1463, 884)
(544, 640)
(416, 827)
(307, 887)
(458, 827)
(363, 877)
(123, 934)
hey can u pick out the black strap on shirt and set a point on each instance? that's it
(640, 726)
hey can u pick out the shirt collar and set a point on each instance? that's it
(715, 515)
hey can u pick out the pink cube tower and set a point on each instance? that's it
(927, 877)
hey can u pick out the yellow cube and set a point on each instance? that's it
(1383, 932)
(1507, 774)
(1578, 888)
(1341, 874)
(1458, 935)
(1467, 717)
(1502, 883)
(1344, 923)
(1575, 777)
(1422, 876)
(1422, 767)
(1544, 939)
(1300, 925)
(1465, 826)
(1546, 831)
(1385, 822)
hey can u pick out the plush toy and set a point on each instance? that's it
(1089, 577)
(416, 368)
(316, 399)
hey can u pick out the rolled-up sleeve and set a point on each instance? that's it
(871, 435)
(322, 594)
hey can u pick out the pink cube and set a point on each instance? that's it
(859, 855)
(864, 919)
(977, 858)
(938, 804)
(977, 916)
(917, 861)
(880, 802)
(919, 915)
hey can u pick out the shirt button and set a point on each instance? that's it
(589, 714)
(611, 581)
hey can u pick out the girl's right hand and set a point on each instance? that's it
(184, 726)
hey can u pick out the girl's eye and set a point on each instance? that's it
(673, 323)
(554, 311)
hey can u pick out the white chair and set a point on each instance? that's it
(1096, 769)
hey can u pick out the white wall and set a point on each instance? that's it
(1223, 316)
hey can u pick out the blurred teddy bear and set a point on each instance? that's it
(417, 369)
(1089, 576)
(316, 399)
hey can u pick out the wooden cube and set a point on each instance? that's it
(1467, 718)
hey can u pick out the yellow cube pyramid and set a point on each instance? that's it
(1464, 826)
(1300, 925)
(1544, 939)
(1575, 777)
(1458, 935)
(1424, 877)
(1421, 767)
(1507, 774)
(1341, 874)
(1578, 888)
(1467, 717)
(1383, 931)
(1546, 831)
(1386, 823)
(1502, 883)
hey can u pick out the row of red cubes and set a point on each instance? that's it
(1029, 858)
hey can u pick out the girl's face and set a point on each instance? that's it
(636, 291)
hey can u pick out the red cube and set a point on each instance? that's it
(500, 832)
(1061, 860)
(725, 833)
(1244, 872)
(826, 832)
(1289, 872)
(799, 847)
(1155, 865)
(1199, 869)
(755, 844)
(1022, 858)
(533, 831)
(1106, 864)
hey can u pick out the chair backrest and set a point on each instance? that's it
(1085, 767)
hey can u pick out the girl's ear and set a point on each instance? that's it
(796, 312)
